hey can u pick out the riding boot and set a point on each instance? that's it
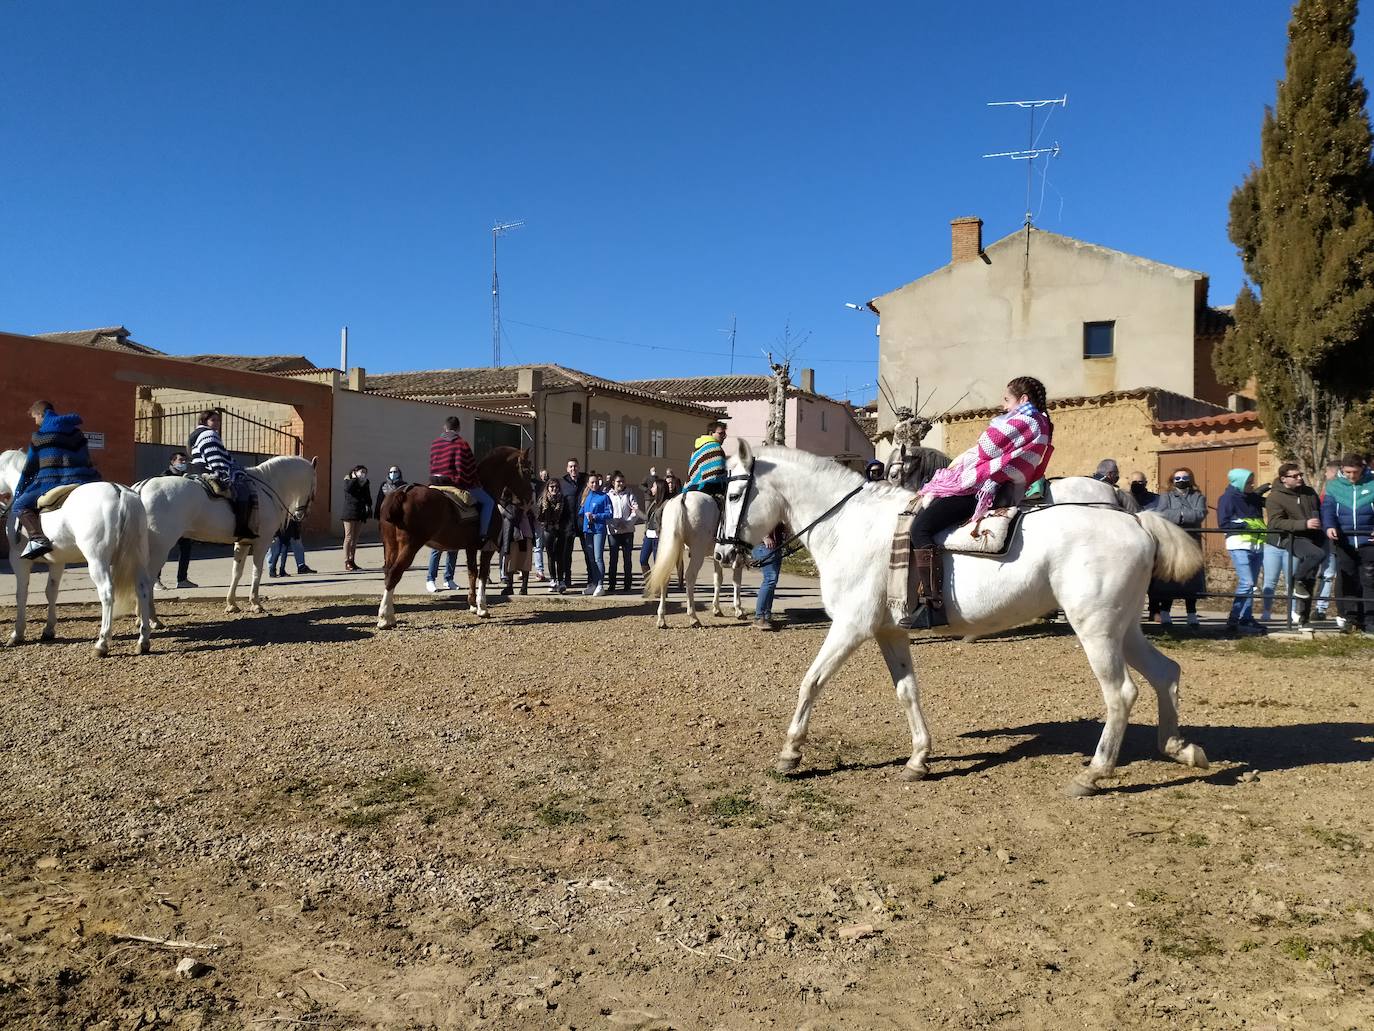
(525, 583)
(930, 608)
(39, 545)
(244, 502)
(509, 589)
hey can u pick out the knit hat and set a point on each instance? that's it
(1238, 478)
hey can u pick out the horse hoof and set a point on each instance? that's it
(48, 635)
(1192, 755)
(157, 624)
(482, 613)
(260, 610)
(717, 614)
(784, 767)
(386, 624)
(662, 624)
(695, 624)
(231, 608)
(1077, 789)
(15, 639)
(100, 651)
(913, 773)
(144, 646)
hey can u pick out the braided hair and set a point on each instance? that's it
(1035, 390)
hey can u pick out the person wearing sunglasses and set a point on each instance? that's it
(1185, 506)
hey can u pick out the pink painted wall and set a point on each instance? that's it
(749, 419)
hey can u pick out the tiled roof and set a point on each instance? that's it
(1157, 397)
(109, 338)
(716, 388)
(255, 362)
(1222, 421)
(438, 384)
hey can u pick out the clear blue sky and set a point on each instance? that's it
(249, 177)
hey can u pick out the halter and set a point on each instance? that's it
(739, 544)
(299, 513)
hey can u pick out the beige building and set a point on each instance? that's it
(1086, 320)
(812, 422)
(605, 425)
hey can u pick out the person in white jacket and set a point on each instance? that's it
(624, 515)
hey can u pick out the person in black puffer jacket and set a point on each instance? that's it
(357, 509)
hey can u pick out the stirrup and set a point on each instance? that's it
(925, 617)
(37, 548)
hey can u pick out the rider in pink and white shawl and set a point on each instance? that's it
(1015, 449)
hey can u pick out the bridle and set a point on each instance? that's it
(299, 512)
(750, 481)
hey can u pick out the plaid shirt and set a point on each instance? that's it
(1015, 448)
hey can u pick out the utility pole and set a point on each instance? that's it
(496, 232)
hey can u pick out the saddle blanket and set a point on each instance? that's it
(212, 486)
(52, 500)
(991, 538)
(465, 502)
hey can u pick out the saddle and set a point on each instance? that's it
(52, 500)
(463, 501)
(211, 485)
(990, 537)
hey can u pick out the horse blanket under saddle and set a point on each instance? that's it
(52, 500)
(462, 500)
(212, 485)
(989, 537)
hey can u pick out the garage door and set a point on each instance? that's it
(1209, 466)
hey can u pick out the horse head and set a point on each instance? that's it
(750, 512)
(507, 468)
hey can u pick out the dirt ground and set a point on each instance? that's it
(563, 818)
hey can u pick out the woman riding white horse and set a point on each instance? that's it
(1095, 563)
(181, 507)
(101, 524)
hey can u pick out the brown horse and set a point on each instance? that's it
(418, 516)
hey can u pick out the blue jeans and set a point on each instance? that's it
(488, 505)
(622, 545)
(1328, 579)
(1276, 563)
(450, 566)
(595, 543)
(763, 606)
(648, 550)
(1248, 564)
(276, 555)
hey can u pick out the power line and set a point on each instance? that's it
(679, 350)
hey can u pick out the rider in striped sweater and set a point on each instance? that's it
(211, 459)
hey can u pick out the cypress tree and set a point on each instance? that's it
(1303, 224)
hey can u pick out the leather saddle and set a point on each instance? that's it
(461, 499)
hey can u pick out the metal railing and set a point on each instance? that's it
(239, 432)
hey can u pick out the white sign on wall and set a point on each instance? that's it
(95, 441)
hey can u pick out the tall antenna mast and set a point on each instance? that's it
(1031, 152)
(496, 232)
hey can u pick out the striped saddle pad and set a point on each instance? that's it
(991, 538)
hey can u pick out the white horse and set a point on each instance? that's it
(690, 521)
(1095, 563)
(178, 507)
(101, 524)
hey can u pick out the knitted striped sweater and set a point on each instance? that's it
(451, 457)
(209, 452)
(708, 462)
(57, 456)
(1015, 448)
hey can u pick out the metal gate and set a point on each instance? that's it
(249, 440)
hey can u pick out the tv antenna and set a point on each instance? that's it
(731, 331)
(1032, 151)
(497, 231)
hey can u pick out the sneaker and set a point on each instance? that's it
(1301, 591)
(764, 623)
(449, 585)
(600, 591)
(589, 590)
(1340, 622)
(1321, 611)
(431, 586)
(301, 571)
(184, 584)
(1165, 619)
(1193, 619)
(273, 573)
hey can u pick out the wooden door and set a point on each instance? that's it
(1209, 466)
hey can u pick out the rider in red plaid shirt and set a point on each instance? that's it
(451, 464)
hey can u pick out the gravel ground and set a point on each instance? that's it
(562, 817)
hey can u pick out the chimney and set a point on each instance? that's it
(357, 379)
(808, 380)
(529, 381)
(966, 239)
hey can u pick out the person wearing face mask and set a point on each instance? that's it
(357, 509)
(1185, 506)
(179, 466)
(394, 481)
(1141, 492)
(1348, 519)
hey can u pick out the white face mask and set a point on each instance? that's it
(394, 475)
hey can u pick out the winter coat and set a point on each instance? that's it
(452, 462)
(357, 500)
(572, 494)
(1239, 512)
(653, 518)
(1185, 508)
(552, 513)
(1288, 508)
(387, 488)
(596, 511)
(57, 456)
(1349, 507)
(624, 512)
(210, 457)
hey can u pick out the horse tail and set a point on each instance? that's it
(1177, 556)
(670, 545)
(130, 544)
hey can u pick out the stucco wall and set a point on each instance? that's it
(973, 326)
(561, 438)
(834, 434)
(379, 432)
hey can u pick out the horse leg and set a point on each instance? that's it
(716, 575)
(838, 645)
(145, 609)
(401, 557)
(55, 571)
(479, 568)
(1162, 673)
(254, 592)
(896, 649)
(22, 571)
(693, 570)
(739, 579)
(662, 622)
(104, 589)
(235, 575)
(1118, 691)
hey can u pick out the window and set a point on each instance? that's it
(577, 413)
(631, 434)
(823, 426)
(599, 433)
(1098, 339)
(656, 442)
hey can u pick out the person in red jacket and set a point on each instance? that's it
(451, 464)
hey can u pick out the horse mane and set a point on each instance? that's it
(268, 464)
(824, 472)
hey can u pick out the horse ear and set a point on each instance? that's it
(744, 452)
(313, 461)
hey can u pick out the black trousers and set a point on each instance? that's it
(1356, 581)
(184, 559)
(940, 514)
(1308, 559)
(571, 539)
(557, 553)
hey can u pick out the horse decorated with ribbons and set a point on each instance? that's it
(416, 516)
(101, 524)
(181, 506)
(1092, 560)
